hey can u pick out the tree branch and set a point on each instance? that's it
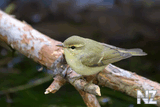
(127, 82)
(42, 49)
(55, 85)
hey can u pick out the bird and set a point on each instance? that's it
(87, 57)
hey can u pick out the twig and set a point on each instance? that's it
(89, 99)
(80, 83)
(56, 84)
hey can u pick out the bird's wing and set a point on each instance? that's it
(114, 54)
(110, 54)
(91, 59)
(92, 56)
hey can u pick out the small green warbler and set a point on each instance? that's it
(88, 57)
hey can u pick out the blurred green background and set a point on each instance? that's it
(126, 24)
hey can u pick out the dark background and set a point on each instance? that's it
(122, 23)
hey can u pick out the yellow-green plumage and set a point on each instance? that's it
(88, 57)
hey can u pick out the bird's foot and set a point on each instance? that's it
(88, 84)
(64, 72)
(77, 78)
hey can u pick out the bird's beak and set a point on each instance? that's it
(60, 45)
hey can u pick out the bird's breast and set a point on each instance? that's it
(75, 63)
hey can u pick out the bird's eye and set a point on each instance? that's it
(73, 47)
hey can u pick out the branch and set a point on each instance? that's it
(42, 49)
(33, 44)
(80, 83)
(127, 82)
(55, 85)
(28, 41)
(89, 99)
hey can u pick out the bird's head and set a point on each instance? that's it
(73, 44)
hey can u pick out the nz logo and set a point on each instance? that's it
(148, 98)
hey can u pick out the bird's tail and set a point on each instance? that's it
(134, 52)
